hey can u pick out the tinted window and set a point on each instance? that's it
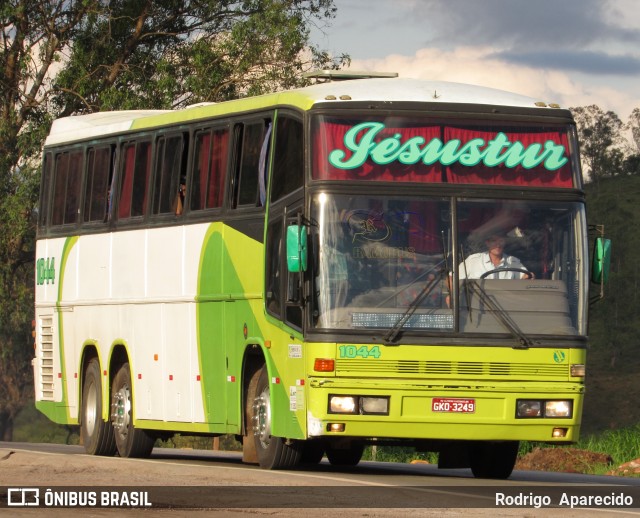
(135, 176)
(288, 164)
(273, 267)
(47, 174)
(66, 189)
(170, 179)
(209, 169)
(99, 171)
(252, 163)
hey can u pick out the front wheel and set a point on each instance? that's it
(272, 452)
(130, 441)
(345, 457)
(97, 434)
(494, 460)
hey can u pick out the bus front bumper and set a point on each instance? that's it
(405, 409)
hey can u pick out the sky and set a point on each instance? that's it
(571, 52)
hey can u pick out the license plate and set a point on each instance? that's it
(454, 405)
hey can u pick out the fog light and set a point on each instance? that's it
(529, 408)
(559, 432)
(342, 405)
(375, 405)
(557, 409)
(335, 427)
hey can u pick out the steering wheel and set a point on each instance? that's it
(509, 269)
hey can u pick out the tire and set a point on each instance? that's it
(346, 457)
(494, 460)
(272, 452)
(312, 452)
(130, 441)
(97, 435)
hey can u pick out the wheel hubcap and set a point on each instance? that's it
(262, 418)
(121, 410)
(90, 411)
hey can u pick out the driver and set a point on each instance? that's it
(494, 258)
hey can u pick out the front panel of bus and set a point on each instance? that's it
(418, 325)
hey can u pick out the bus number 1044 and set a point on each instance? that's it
(364, 351)
(45, 271)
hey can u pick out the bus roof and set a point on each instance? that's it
(387, 89)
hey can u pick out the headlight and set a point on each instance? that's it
(529, 408)
(557, 409)
(544, 408)
(375, 405)
(359, 405)
(343, 405)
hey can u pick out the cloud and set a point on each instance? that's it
(581, 61)
(540, 24)
(482, 66)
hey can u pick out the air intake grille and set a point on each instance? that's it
(425, 368)
(45, 336)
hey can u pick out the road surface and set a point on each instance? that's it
(213, 483)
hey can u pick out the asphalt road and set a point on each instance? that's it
(188, 483)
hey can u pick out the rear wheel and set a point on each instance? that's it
(272, 452)
(345, 457)
(493, 459)
(130, 441)
(97, 434)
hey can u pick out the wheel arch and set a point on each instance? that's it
(89, 352)
(119, 356)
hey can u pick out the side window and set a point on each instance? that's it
(251, 164)
(98, 186)
(273, 268)
(67, 182)
(134, 180)
(294, 296)
(209, 169)
(45, 187)
(283, 289)
(288, 162)
(170, 175)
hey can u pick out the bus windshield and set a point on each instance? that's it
(448, 265)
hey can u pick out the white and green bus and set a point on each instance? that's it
(292, 269)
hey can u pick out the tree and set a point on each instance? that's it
(632, 161)
(600, 139)
(634, 126)
(164, 54)
(64, 57)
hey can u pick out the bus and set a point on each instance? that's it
(294, 269)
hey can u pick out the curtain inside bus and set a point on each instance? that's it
(411, 137)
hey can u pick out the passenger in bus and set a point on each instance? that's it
(495, 258)
(178, 205)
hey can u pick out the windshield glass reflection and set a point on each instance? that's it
(397, 263)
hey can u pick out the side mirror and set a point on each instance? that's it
(296, 248)
(601, 260)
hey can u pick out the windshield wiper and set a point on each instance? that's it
(390, 337)
(499, 313)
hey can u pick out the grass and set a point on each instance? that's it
(623, 445)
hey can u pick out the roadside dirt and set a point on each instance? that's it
(572, 460)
